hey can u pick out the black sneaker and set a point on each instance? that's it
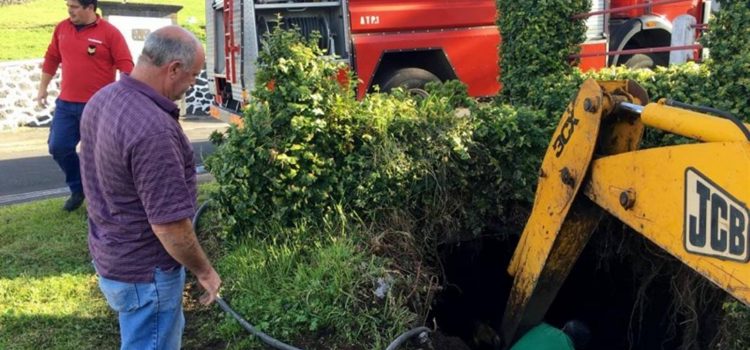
(74, 202)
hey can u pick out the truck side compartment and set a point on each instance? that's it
(471, 53)
(445, 40)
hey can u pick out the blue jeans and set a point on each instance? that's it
(150, 314)
(64, 135)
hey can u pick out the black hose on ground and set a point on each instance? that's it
(422, 332)
(276, 344)
(263, 336)
(198, 214)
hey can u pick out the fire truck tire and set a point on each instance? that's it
(411, 79)
(640, 61)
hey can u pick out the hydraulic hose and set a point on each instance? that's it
(422, 332)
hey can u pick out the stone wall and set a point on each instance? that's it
(198, 98)
(19, 81)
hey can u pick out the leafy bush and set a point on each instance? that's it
(507, 151)
(281, 165)
(417, 172)
(538, 37)
(729, 42)
(307, 146)
(309, 154)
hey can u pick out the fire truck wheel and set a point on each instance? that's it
(411, 79)
(640, 61)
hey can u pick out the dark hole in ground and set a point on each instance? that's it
(475, 290)
(477, 286)
(604, 300)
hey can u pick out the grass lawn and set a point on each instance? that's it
(314, 294)
(26, 29)
(48, 293)
(49, 298)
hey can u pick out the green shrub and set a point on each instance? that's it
(507, 151)
(418, 172)
(309, 154)
(308, 145)
(282, 165)
(729, 42)
(538, 37)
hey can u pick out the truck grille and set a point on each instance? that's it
(305, 25)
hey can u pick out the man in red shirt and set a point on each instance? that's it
(90, 51)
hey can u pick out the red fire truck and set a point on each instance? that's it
(408, 43)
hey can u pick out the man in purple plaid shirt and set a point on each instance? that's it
(139, 177)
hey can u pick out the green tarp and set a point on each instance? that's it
(544, 337)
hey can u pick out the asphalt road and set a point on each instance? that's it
(26, 179)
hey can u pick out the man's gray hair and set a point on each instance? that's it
(161, 49)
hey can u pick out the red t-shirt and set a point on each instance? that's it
(89, 58)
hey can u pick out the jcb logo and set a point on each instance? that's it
(716, 223)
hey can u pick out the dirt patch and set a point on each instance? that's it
(197, 319)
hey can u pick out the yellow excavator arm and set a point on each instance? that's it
(691, 200)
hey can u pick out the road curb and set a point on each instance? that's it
(19, 198)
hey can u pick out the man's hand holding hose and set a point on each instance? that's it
(179, 239)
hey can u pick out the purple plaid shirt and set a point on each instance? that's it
(137, 169)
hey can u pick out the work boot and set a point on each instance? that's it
(74, 202)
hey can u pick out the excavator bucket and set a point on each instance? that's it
(561, 222)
